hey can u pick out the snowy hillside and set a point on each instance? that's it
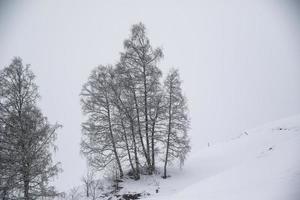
(262, 163)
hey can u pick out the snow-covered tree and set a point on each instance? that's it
(125, 95)
(141, 59)
(177, 142)
(100, 139)
(27, 138)
(128, 110)
(157, 114)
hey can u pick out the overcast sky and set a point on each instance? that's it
(239, 60)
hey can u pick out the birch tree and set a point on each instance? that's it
(100, 140)
(157, 116)
(132, 118)
(177, 142)
(125, 100)
(141, 59)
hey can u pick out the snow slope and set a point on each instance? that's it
(260, 164)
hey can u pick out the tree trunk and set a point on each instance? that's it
(169, 132)
(146, 115)
(139, 130)
(127, 147)
(26, 188)
(113, 141)
(167, 154)
(152, 148)
(137, 175)
(137, 171)
(87, 190)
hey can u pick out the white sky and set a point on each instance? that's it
(239, 60)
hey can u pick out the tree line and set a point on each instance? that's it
(133, 119)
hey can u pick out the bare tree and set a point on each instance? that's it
(74, 194)
(124, 95)
(157, 118)
(96, 190)
(100, 141)
(88, 180)
(26, 136)
(131, 115)
(177, 142)
(141, 60)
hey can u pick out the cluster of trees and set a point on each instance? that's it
(26, 137)
(133, 119)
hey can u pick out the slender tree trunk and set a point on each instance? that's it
(167, 154)
(25, 173)
(137, 175)
(137, 170)
(146, 115)
(169, 132)
(139, 130)
(26, 185)
(26, 190)
(113, 141)
(127, 147)
(153, 139)
(87, 191)
(152, 148)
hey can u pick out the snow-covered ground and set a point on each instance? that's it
(260, 164)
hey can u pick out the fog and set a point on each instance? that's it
(239, 60)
